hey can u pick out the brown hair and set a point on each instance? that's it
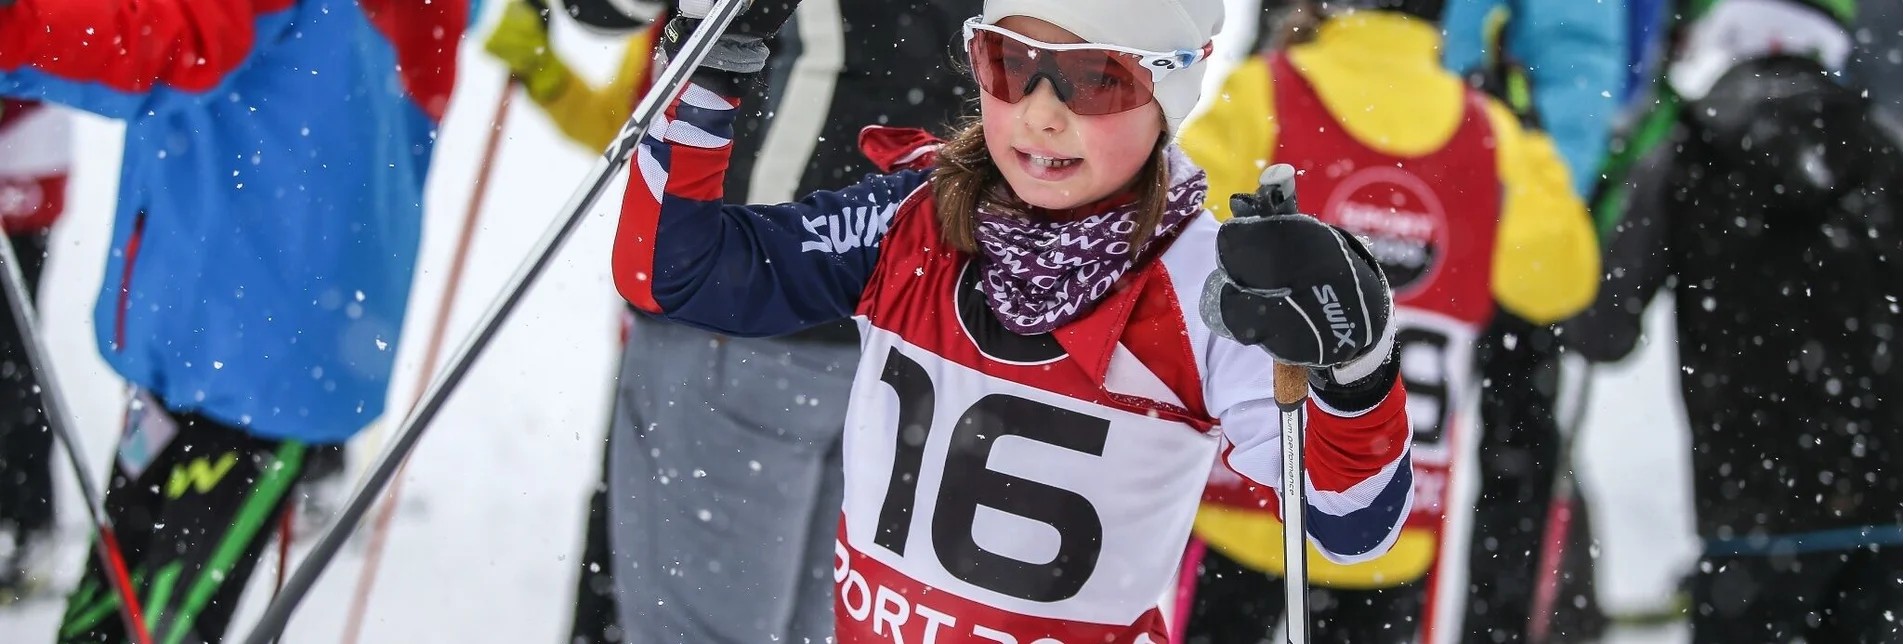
(967, 177)
(1297, 24)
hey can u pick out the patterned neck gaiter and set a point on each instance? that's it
(1041, 273)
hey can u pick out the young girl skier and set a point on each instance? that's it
(1037, 408)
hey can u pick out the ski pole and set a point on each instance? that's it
(380, 527)
(106, 546)
(1291, 395)
(669, 85)
(1291, 392)
(1558, 525)
(432, 349)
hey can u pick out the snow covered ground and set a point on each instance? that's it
(482, 549)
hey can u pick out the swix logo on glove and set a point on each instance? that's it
(1307, 292)
(1337, 321)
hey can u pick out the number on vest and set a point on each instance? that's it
(968, 483)
(1427, 384)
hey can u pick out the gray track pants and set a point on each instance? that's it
(725, 483)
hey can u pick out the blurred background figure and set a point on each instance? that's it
(1877, 62)
(36, 154)
(1467, 211)
(1573, 55)
(589, 116)
(1562, 67)
(1769, 207)
(267, 225)
(747, 429)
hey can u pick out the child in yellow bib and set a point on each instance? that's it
(1465, 210)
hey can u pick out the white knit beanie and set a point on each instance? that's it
(1149, 25)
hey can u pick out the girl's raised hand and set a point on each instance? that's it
(761, 18)
(1308, 293)
(742, 48)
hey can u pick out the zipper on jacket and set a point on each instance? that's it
(125, 282)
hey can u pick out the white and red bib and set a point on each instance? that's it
(1018, 489)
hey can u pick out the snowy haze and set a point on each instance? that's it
(484, 543)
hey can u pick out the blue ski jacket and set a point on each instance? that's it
(270, 203)
(1575, 52)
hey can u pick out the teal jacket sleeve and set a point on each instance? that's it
(1575, 52)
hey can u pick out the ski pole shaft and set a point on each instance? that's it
(672, 80)
(106, 546)
(380, 527)
(1291, 393)
(1555, 536)
(1276, 189)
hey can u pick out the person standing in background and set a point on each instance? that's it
(1574, 53)
(1769, 207)
(590, 116)
(1877, 63)
(268, 217)
(1561, 65)
(36, 154)
(1467, 213)
(746, 428)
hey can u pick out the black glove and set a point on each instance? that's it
(1308, 293)
(742, 49)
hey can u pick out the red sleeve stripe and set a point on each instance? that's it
(683, 158)
(1343, 452)
(632, 261)
(698, 174)
(1356, 497)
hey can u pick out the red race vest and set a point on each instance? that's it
(1015, 489)
(1430, 221)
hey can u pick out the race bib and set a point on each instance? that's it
(148, 431)
(980, 509)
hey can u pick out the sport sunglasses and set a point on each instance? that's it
(1091, 79)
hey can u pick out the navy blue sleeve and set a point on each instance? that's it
(755, 270)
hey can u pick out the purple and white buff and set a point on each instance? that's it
(1040, 274)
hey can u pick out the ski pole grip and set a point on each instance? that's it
(1291, 384)
(1276, 189)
